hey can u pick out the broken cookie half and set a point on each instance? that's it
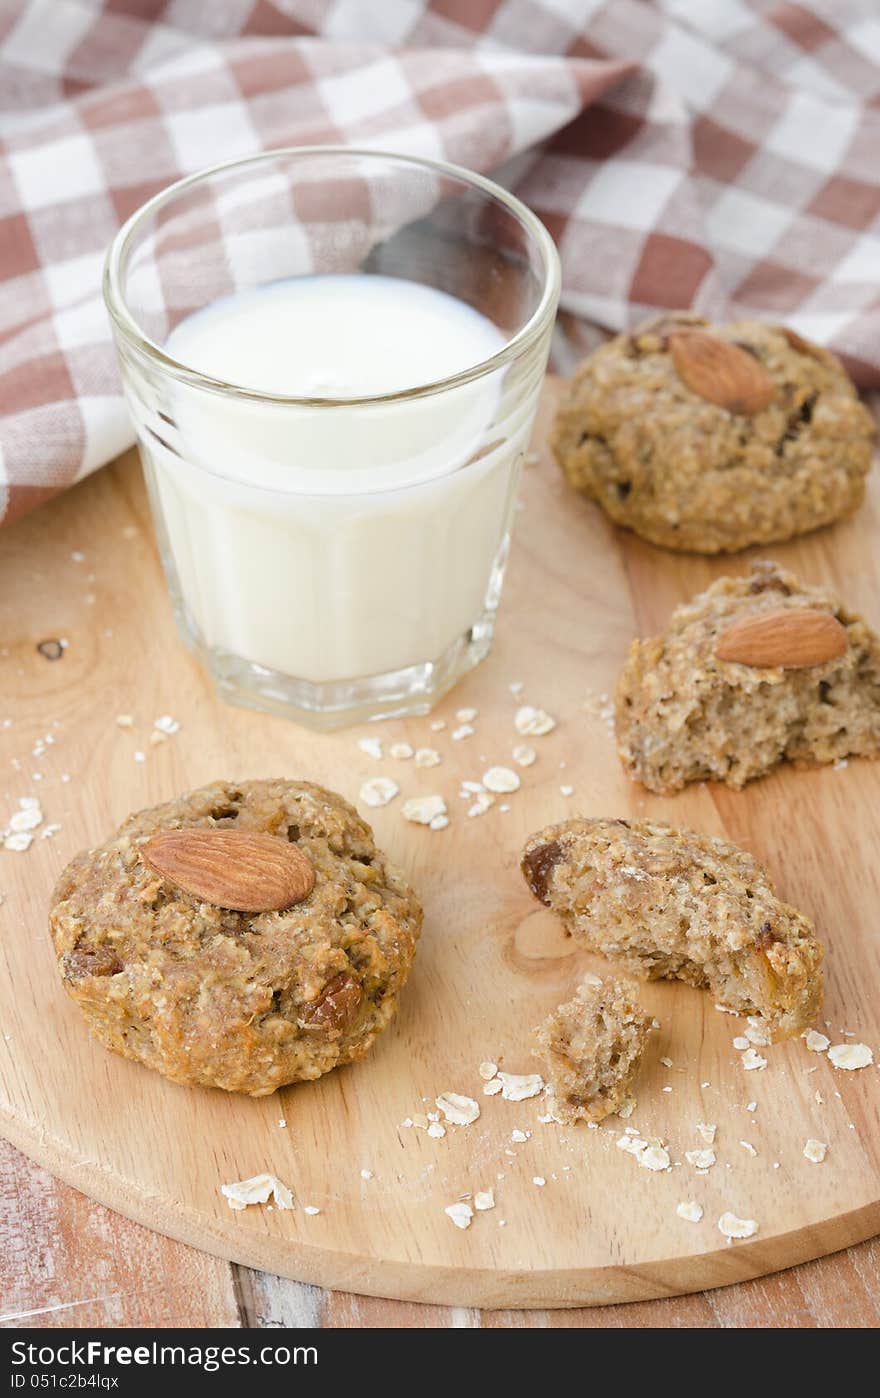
(752, 672)
(666, 903)
(592, 1045)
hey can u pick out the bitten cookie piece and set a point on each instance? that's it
(246, 1001)
(665, 903)
(593, 1046)
(710, 438)
(754, 671)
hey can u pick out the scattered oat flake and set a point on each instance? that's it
(700, 1159)
(516, 1087)
(851, 1056)
(484, 1199)
(427, 757)
(311, 1210)
(487, 1070)
(125, 721)
(157, 737)
(257, 1190)
(140, 757)
(757, 1032)
(815, 1150)
(626, 1108)
(733, 1227)
(493, 1088)
(366, 1174)
(707, 1130)
(533, 723)
(667, 1062)
(816, 1042)
(438, 725)
(436, 1130)
(378, 791)
(539, 1181)
(464, 730)
(752, 1060)
(482, 802)
(519, 1136)
(654, 1157)
(524, 756)
(466, 715)
(461, 1111)
(461, 1214)
(740, 1042)
(371, 746)
(690, 1211)
(166, 724)
(501, 780)
(26, 819)
(748, 1147)
(18, 843)
(751, 1106)
(423, 810)
(401, 751)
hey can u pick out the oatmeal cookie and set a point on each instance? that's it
(665, 903)
(683, 713)
(242, 1001)
(707, 439)
(593, 1046)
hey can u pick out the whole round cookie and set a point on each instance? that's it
(245, 1001)
(709, 438)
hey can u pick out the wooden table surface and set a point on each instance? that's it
(68, 1262)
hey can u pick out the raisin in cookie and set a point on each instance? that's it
(242, 1001)
(665, 903)
(708, 439)
(593, 1045)
(753, 671)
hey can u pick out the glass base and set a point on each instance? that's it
(341, 703)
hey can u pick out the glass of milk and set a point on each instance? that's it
(332, 358)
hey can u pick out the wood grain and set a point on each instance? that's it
(58, 1250)
(598, 1231)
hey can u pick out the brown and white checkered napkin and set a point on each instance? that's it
(723, 154)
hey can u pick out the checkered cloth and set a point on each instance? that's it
(721, 154)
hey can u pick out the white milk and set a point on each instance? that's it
(333, 543)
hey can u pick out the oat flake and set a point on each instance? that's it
(461, 1214)
(484, 1199)
(848, 1056)
(493, 1088)
(401, 751)
(461, 1111)
(707, 1130)
(524, 756)
(371, 746)
(815, 1150)
(752, 1061)
(700, 1159)
(378, 791)
(487, 1070)
(690, 1211)
(427, 757)
(733, 1227)
(501, 780)
(533, 723)
(257, 1190)
(422, 810)
(816, 1042)
(516, 1087)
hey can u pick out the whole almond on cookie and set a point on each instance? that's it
(247, 871)
(721, 372)
(790, 639)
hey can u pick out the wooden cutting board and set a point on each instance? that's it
(599, 1227)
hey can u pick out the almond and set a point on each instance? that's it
(245, 870)
(790, 639)
(721, 372)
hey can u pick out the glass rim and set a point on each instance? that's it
(522, 340)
